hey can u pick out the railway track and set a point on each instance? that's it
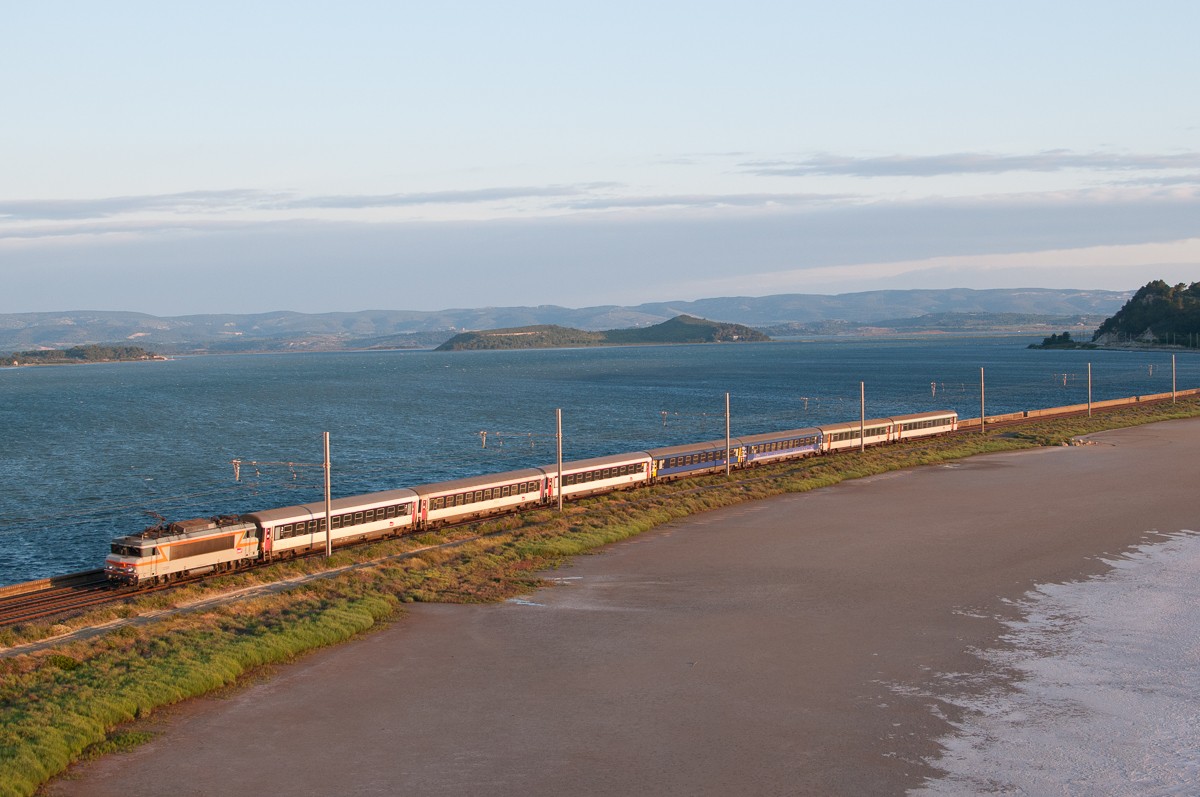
(54, 600)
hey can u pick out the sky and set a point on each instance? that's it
(239, 157)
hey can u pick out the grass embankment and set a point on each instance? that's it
(70, 701)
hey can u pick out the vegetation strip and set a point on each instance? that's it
(69, 701)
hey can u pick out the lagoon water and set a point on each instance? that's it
(1094, 690)
(91, 452)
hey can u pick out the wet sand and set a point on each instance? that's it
(778, 647)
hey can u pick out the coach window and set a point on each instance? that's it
(369, 516)
(337, 521)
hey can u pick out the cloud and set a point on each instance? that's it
(239, 200)
(966, 163)
(187, 202)
(440, 197)
(587, 258)
(702, 201)
(1162, 180)
(1118, 267)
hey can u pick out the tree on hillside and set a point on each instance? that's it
(1165, 311)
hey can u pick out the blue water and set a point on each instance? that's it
(88, 452)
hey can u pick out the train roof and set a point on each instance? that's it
(788, 435)
(184, 529)
(691, 448)
(481, 482)
(316, 509)
(851, 425)
(598, 462)
(924, 415)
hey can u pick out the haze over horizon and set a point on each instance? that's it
(234, 158)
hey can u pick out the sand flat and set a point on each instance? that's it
(752, 650)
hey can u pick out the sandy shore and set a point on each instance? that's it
(754, 650)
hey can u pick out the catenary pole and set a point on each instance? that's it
(1089, 390)
(862, 417)
(1172, 378)
(982, 410)
(558, 436)
(328, 503)
(727, 434)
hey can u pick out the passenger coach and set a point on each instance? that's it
(923, 424)
(758, 449)
(676, 461)
(479, 496)
(293, 530)
(599, 474)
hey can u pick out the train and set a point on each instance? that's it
(213, 545)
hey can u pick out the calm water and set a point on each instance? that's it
(89, 452)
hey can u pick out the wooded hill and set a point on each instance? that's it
(80, 354)
(1157, 313)
(681, 329)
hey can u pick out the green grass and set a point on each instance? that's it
(76, 700)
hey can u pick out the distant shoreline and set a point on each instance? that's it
(14, 364)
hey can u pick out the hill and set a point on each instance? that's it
(1158, 314)
(681, 329)
(289, 331)
(92, 353)
(544, 336)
